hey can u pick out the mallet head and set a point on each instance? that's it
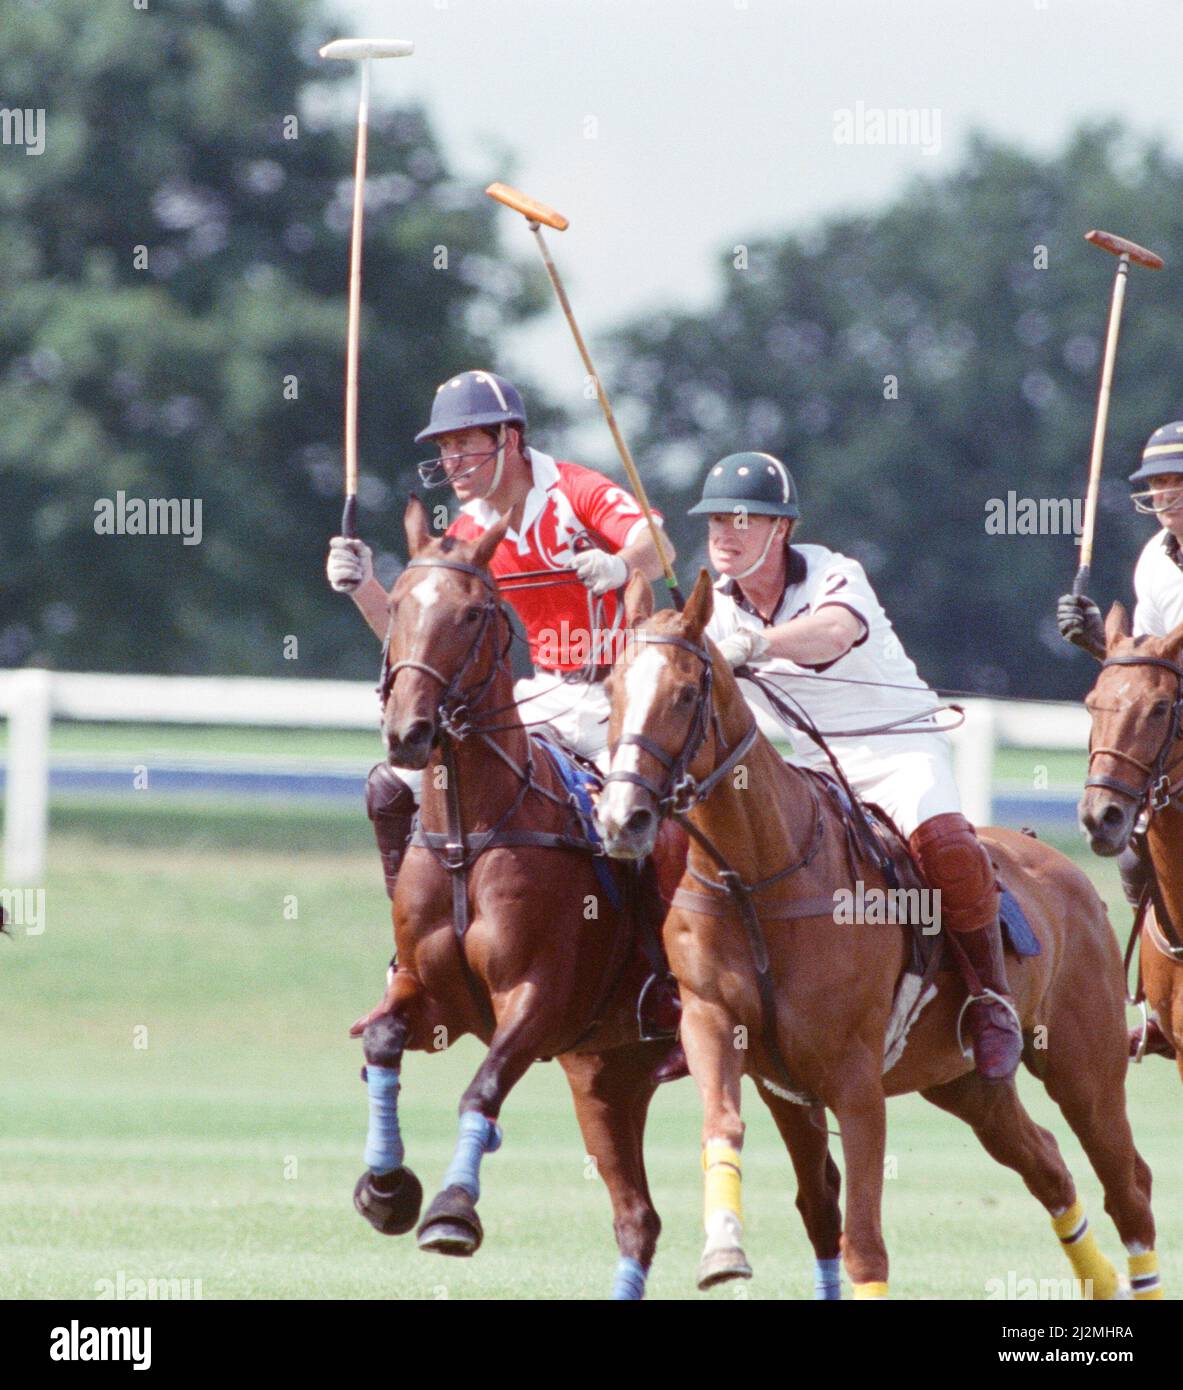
(354, 50)
(530, 208)
(1120, 246)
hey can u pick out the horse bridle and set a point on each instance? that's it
(682, 792)
(1156, 793)
(455, 703)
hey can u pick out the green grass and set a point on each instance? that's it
(169, 1161)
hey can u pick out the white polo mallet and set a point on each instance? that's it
(354, 51)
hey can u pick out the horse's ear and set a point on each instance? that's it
(416, 525)
(638, 599)
(699, 606)
(1117, 624)
(482, 551)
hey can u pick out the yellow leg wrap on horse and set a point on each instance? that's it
(722, 1166)
(871, 1290)
(1144, 1278)
(1084, 1254)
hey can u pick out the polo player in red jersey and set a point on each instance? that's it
(562, 517)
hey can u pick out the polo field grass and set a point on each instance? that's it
(181, 1102)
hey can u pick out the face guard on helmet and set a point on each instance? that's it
(1153, 502)
(472, 400)
(433, 472)
(1162, 457)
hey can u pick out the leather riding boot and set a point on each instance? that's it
(390, 804)
(991, 1022)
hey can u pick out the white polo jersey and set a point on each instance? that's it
(910, 775)
(1158, 584)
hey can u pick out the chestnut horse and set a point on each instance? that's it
(774, 986)
(504, 926)
(1136, 775)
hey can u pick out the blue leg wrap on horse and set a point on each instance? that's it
(478, 1136)
(629, 1282)
(384, 1143)
(827, 1278)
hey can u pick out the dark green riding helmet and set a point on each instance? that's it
(754, 483)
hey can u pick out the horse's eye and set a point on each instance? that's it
(473, 615)
(1160, 708)
(687, 695)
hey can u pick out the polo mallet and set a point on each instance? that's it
(536, 213)
(353, 51)
(1125, 251)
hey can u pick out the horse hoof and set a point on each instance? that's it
(721, 1265)
(451, 1226)
(391, 1202)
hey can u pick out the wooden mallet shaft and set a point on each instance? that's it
(536, 213)
(358, 50)
(1126, 251)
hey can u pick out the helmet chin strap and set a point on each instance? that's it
(751, 569)
(492, 488)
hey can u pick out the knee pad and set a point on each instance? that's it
(387, 794)
(954, 860)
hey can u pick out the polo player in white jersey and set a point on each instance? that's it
(798, 612)
(1158, 586)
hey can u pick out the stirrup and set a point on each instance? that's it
(1145, 1032)
(654, 978)
(967, 1052)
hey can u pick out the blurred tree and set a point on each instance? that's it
(913, 364)
(173, 320)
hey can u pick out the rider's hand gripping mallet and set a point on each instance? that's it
(358, 50)
(1125, 251)
(536, 213)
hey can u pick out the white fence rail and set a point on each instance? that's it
(31, 699)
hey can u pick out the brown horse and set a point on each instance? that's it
(504, 926)
(773, 985)
(1136, 774)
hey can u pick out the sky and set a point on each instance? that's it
(670, 132)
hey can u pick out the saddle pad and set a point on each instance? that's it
(1023, 940)
(580, 782)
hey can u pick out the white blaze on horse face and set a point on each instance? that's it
(427, 593)
(640, 689)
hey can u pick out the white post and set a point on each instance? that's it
(26, 798)
(973, 747)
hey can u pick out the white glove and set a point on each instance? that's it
(599, 570)
(742, 647)
(350, 564)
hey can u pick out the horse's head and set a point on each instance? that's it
(660, 726)
(446, 638)
(1134, 748)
